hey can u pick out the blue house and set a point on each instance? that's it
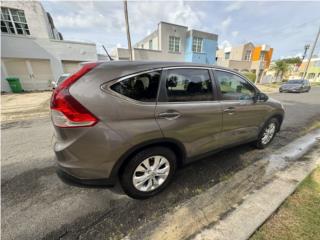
(200, 47)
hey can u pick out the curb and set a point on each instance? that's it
(259, 206)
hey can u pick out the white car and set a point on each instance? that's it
(59, 80)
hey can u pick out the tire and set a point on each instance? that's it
(261, 142)
(160, 154)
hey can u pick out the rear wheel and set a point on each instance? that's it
(148, 172)
(267, 133)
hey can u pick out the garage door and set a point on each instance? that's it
(41, 74)
(18, 68)
(70, 66)
(33, 74)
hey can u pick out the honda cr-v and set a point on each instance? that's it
(137, 122)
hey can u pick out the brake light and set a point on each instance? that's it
(66, 111)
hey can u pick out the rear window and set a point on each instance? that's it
(143, 87)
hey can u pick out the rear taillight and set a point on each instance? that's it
(66, 111)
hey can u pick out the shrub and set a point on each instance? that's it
(250, 75)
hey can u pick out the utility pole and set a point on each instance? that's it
(127, 28)
(312, 50)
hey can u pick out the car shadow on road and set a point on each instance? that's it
(125, 214)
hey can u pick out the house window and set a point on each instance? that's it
(174, 44)
(197, 44)
(247, 56)
(227, 55)
(13, 21)
(150, 44)
(262, 55)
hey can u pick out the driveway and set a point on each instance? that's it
(37, 205)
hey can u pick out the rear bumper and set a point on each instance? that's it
(74, 181)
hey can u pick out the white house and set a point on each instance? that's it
(33, 50)
(172, 42)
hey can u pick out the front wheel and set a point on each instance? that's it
(267, 133)
(148, 172)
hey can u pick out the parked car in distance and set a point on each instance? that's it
(137, 122)
(296, 85)
(59, 80)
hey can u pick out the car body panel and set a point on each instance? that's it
(126, 125)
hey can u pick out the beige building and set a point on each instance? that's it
(246, 57)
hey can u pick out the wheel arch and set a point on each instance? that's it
(279, 117)
(174, 145)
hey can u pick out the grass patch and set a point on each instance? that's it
(269, 88)
(315, 84)
(298, 217)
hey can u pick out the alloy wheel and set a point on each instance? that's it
(151, 173)
(268, 133)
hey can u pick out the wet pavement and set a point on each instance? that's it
(36, 204)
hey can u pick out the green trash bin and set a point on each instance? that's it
(15, 84)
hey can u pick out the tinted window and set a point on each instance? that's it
(142, 87)
(188, 85)
(233, 87)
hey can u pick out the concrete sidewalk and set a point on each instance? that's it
(16, 107)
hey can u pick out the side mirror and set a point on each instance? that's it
(260, 97)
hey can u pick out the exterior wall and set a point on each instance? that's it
(257, 53)
(160, 49)
(237, 53)
(166, 30)
(240, 65)
(145, 42)
(209, 46)
(13, 46)
(35, 15)
(40, 45)
(246, 48)
(143, 54)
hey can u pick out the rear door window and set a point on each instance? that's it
(188, 84)
(143, 87)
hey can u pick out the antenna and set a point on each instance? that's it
(110, 58)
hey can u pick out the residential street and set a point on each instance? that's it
(37, 205)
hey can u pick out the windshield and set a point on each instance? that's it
(295, 82)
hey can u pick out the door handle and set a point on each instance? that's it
(169, 115)
(229, 110)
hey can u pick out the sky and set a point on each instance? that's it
(286, 26)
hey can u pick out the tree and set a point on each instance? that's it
(295, 60)
(280, 67)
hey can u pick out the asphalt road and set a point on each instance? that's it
(37, 205)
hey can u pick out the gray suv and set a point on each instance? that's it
(137, 122)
